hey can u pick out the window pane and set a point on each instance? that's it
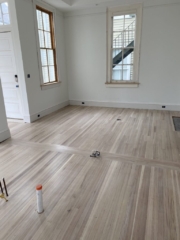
(130, 58)
(39, 19)
(4, 7)
(1, 20)
(50, 57)
(117, 56)
(129, 29)
(118, 23)
(41, 39)
(46, 21)
(44, 57)
(117, 73)
(129, 22)
(116, 51)
(118, 39)
(48, 39)
(52, 74)
(127, 72)
(128, 55)
(6, 19)
(129, 37)
(45, 74)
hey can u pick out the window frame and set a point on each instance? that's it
(116, 11)
(48, 9)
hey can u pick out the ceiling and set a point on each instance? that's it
(69, 5)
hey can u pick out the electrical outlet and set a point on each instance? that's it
(163, 106)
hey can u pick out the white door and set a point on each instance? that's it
(8, 72)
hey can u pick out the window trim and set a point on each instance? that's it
(47, 8)
(115, 11)
(52, 41)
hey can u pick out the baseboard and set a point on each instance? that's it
(4, 135)
(33, 117)
(155, 106)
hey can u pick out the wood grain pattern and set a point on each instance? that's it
(131, 193)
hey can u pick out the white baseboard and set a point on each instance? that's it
(155, 106)
(4, 135)
(33, 117)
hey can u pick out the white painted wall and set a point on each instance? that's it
(159, 60)
(40, 101)
(4, 130)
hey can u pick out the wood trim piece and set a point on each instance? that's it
(122, 82)
(122, 85)
(50, 85)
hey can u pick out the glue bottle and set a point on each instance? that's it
(39, 199)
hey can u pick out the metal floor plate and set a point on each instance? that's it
(176, 121)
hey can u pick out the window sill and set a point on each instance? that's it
(50, 85)
(122, 85)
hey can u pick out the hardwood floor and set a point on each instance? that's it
(132, 192)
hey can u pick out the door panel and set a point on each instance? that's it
(7, 74)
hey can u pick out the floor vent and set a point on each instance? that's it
(176, 121)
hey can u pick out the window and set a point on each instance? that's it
(4, 14)
(47, 45)
(124, 27)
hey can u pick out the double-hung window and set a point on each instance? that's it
(124, 30)
(47, 46)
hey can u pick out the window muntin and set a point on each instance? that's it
(47, 45)
(122, 47)
(4, 14)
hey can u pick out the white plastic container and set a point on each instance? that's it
(40, 208)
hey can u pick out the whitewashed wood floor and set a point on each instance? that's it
(132, 192)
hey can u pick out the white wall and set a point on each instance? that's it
(4, 130)
(40, 101)
(159, 60)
